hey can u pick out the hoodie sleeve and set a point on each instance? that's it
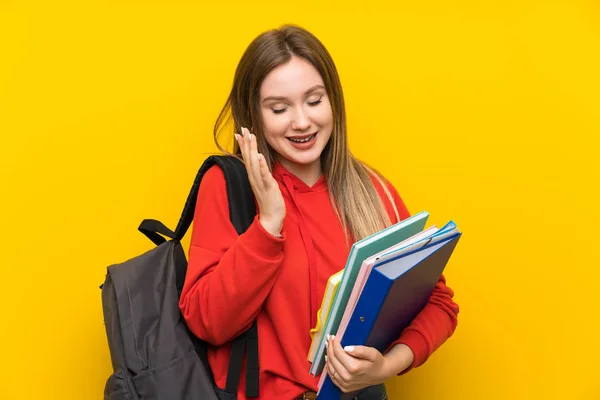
(438, 319)
(228, 276)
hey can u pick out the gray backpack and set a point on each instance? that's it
(154, 355)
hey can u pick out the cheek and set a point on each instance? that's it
(274, 127)
(274, 124)
(323, 115)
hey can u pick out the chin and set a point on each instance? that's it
(303, 159)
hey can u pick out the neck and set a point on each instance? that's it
(309, 173)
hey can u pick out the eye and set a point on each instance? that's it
(279, 110)
(317, 102)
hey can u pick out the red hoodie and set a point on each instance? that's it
(231, 280)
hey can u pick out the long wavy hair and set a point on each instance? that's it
(351, 189)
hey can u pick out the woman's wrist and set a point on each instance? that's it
(399, 358)
(274, 228)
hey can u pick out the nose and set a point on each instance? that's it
(301, 122)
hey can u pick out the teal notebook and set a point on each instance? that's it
(361, 250)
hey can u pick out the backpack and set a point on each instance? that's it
(154, 355)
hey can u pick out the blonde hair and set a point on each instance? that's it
(351, 190)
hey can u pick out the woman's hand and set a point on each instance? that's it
(357, 367)
(271, 207)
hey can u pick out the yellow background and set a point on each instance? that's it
(482, 112)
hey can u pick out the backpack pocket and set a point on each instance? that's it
(119, 387)
(183, 378)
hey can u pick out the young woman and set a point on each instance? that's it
(314, 199)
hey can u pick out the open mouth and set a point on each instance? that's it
(303, 140)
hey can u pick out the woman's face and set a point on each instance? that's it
(296, 113)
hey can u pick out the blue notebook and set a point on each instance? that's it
(396, 291)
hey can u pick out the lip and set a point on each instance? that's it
(304, 146)
(300, 137)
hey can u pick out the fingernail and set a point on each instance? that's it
(326, 344)
(237, 137)
(242, 130)
(325, 358)
(328, 337)
(349, 349)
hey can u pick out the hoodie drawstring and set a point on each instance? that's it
(310, 252)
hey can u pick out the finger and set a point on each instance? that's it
(362, 352)
(339, 382)
(265, 172)
(253, 156)
(238, 139)
(347, 362)
(330, 370)
(341, 372)
(251, 159)
(333, 374)
(244, 143)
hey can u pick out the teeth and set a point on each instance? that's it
(302, 140)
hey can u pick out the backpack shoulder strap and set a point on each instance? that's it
(242, 211)
(241, 198)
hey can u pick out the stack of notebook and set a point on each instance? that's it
(387, 280)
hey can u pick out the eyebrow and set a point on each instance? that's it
(279, 98)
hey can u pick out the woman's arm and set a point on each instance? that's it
(228, 276)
